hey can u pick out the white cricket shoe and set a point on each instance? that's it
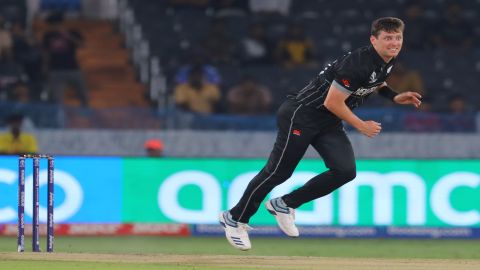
(236, 232)
(284, 215)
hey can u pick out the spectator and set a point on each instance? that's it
(459, 117)
(5, 40)
(295, 49)
(196, 95)
(16, 142)
(154, 147)
(11, 76)
(457, 104)
(29, 56)
(60, 47)
(219, 46)
(256, 48)
(209, 72)
(20, 94)
(404, 79)
(269, 7)
(249, 97)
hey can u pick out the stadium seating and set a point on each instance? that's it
(334, 28)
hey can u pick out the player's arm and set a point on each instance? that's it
(404, 98)
(335, 102)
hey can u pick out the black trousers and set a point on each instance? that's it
(298, 127)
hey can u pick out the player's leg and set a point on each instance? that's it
(337, 153)
(288, 149)
(290, 146)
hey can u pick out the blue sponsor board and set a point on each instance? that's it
(427, 232)
(216, 230)
(87, 189)
(101, 181)
(352, 232)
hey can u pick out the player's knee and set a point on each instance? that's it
(351, 174)
(346, 175)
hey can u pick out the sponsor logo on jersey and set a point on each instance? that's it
(297, 132)
(364, 91)
(346, 82)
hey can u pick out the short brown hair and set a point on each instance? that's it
(387, 24)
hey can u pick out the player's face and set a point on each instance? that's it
(388, 44)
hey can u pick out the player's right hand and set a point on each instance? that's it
(370, 128)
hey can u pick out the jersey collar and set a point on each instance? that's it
(378, 60)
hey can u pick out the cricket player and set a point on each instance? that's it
(313, 116)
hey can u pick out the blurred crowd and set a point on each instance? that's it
(263, 35)
(38, 69)
(242, 57)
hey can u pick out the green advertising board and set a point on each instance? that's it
(385, 192)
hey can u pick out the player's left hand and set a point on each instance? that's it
(408, 98)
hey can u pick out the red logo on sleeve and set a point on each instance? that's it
(346, 82)
(297, 132)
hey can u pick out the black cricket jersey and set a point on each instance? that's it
(357, 73)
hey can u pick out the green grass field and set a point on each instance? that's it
(215, 253)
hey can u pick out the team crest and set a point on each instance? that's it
(373, 77)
